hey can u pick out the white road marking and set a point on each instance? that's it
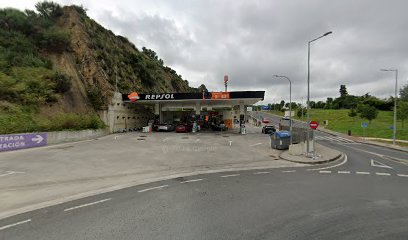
(197, 140)
(256, 144)
(289, 171)
(375, 163)
(193, 180)
(324, 171)
(402, 175)
(87, 204)
(230, 142)
(343, 172)
(165, 139)
(261, 172)
(382, 174)
(363, 173)
(10, 173)
(232, 175)
(15, 224)
(148, 189)
(339, 164)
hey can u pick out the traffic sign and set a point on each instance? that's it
(19, 141)
(364, 124)
(313, 124)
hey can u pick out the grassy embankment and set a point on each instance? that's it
(339, 121)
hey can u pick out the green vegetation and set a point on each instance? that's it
(18, 119)
(340, 121)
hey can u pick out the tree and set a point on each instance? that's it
(343, 91)
(368, 112)
(352, 113)
(404, 93)
(202, 88)
(402, 112)
(49, 9)
(300, 111)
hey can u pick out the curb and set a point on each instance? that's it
(338, 157)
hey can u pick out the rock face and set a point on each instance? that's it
(98, 61)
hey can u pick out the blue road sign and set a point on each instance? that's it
(364, 124)
(19, 141)
(265, 107)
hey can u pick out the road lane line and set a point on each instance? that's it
(262, 172)
(289, 171)
(402, 175)
(339, 164)
(382, 174)
(10, 173)
(15, 224)
(153, 188)
(165, 139)
(375, 163)
(324, 171)
(232, 175)
(87, 204)
(193, 180)
(363, 173)
(343, 172)
(256, 144)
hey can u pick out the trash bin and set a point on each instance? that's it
(280, 140)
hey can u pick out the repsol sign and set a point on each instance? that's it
(164, 96)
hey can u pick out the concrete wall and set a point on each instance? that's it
(72, 136)
(124, 116)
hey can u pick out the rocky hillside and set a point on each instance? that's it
(58, 67)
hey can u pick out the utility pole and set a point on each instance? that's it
(395, 103)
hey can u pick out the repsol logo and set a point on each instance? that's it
(159, 96)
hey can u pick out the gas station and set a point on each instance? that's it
(228, 108)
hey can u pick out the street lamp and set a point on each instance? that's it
(308, 88)
(395, 101)
(290, 105)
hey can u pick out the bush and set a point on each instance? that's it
(54, 39)
(95, 97)
(62, 81)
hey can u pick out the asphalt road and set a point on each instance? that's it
(364, 197)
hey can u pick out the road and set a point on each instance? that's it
(364, 197)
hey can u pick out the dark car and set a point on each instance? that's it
(183, 128)
(268, 129)
(219, 127)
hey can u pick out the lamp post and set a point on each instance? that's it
(290, 105)
(395, 101)
(308, 89)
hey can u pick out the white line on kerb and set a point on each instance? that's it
(232, 175)
(256, 144)
(363, 173)
(382, 174)
(261, 172)
(324, 171)
(148, 189)
(402, 175)
(289, 171)
(343, 172)
(343, 162)
(193, 180)
(15, 224)
(87, 204)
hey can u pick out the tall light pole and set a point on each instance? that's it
(290, 105)
(395, 101)
(308, 89)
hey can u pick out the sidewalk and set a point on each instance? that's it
(324, 154)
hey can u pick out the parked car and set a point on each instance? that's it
(268, 129)
(219, 127)
(183, 128)
(167, 127)
(265, 120)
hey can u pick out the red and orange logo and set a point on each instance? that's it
(133, 96)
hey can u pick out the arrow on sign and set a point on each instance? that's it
(37, 139)
(378, 164)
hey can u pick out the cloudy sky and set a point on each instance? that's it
(253, 40)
